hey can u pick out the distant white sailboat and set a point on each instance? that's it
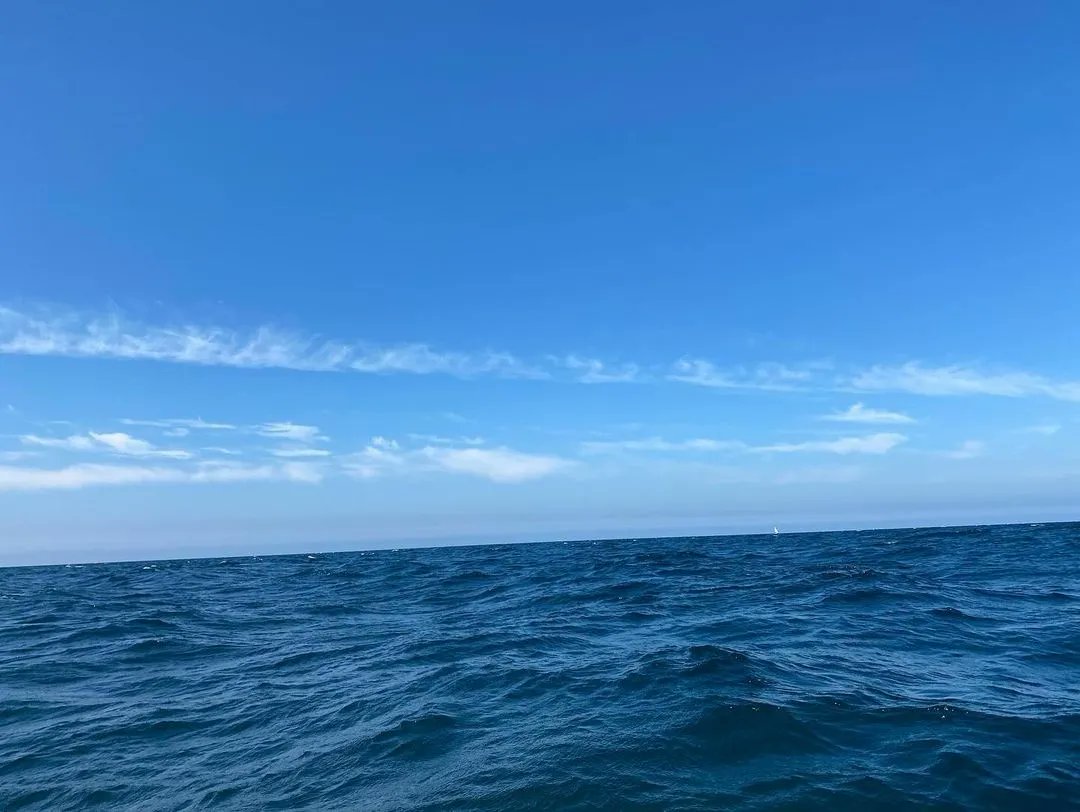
(775, 530)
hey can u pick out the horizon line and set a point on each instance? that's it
(426, 544)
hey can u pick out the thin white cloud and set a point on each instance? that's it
(422, 360)
(592, 370)
(702, 373)
(659, 444)
(75, 442)
(967, 450)
(1045, 429)
(495, 464)
(116, 442)
(19, 478)
(279, 430)
(14, 478)
(384, 456)
(299, 452)
(859, 413)
(127, 445)
(869, 444)
(301, 472)
(180, 423)
(380, 456)
(959, 380)
(436, 439)
(771, 376)
(289, 431)
(64, 332)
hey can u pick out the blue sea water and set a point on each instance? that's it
(914, 669)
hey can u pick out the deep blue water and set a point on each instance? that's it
(916, 669)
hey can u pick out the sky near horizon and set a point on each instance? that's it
(288, 277)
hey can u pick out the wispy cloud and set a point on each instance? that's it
(496, 464)
(385, 456)
(299, 452)
(966, 450)
(19, 478)
(436, 439)
(115, 442)
(959, 380)
(289, 431)
(859, 413)
(63, 332)
(869, 444)
(659, 444)
(592, 370)
(776, 377)
(180, 422)
(1045, 429)
(297, 433)
(59, 331)
(310, 473)
(75, 442)
(422, 360)
(379, 457)
(122, 443)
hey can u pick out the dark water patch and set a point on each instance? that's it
(952, 613)
(734, 733)
(418, 738)
(856, 597)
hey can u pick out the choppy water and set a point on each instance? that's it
(888, 670)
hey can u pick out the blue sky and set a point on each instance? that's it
(291, 277)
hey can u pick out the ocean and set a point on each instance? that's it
(894, 669)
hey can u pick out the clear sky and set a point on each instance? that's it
(294, 276)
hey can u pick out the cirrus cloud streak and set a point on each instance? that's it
(82, 475)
